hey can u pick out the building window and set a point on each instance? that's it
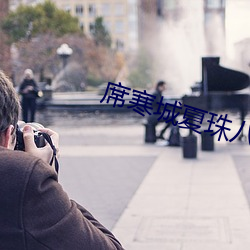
(92, 10)
(119, 44)
(119, 27)
(82, 26)
(79, 10)
(119, 9)
(91, 27)
(106, 9)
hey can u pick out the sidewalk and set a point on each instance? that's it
(186, 204)
(177, 204)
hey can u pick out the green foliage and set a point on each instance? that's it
(141, 74)
(93, 80)
(100, 33)
(42, 18)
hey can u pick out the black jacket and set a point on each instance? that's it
(31, 93)
(158, 95)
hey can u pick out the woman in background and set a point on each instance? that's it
(29, 91)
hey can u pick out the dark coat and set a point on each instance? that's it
(158, 95)
(36, 214)
(152, 119)
(31, 94)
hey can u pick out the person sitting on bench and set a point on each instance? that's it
(153, 118)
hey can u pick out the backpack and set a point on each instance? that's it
(174, 137)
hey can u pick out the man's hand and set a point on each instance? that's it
(45, 153)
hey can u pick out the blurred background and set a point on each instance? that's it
(135, 42)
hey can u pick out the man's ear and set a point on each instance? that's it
(7, 140)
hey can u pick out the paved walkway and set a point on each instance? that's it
(186, 204)
(181, 204)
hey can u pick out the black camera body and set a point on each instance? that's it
(38, 138)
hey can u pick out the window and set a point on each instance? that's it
(79, 10)
(119, 44)
(91, 27)
(92, 10)
(119, 26)
(119, 9)
(106, 9)
(82, 26)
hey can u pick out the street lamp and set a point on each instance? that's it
(64, 51)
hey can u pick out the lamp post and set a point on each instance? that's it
(64, 51)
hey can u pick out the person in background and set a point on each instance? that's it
(29, 92)
(35, 212)
(153, 118)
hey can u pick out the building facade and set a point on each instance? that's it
(208, 13)
(120, 18)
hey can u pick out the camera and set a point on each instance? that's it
(38, 137)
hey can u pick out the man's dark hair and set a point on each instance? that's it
(159, 84)
(9, 104)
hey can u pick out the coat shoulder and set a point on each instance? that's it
(15, 168)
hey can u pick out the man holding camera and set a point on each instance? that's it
(35, 212)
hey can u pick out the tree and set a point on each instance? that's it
(42, 18)
(100, 33)
(141, 74)
(5, 62)
(93, 64)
